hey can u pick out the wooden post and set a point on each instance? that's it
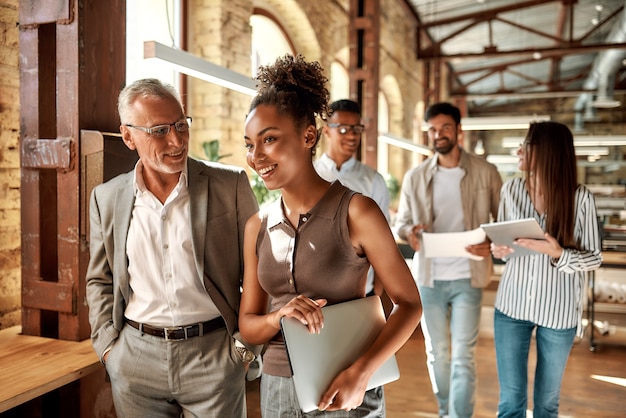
(72, 66)
(364, 40)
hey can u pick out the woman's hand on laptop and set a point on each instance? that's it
(305, 310)
(346, 391)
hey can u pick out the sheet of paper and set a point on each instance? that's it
(451, 244)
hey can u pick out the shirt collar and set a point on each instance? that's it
(329, 162)
(140, 186)
(276, 214)
(463, 161)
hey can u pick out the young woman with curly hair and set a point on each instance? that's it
(312, 247)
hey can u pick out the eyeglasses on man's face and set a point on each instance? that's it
(344, 128)
(181, 126)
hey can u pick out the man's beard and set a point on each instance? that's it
(444, 149)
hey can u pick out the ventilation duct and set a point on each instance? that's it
(591, 115)
(602, 75)
(604, 99)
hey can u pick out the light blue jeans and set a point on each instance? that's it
(512, 338)
(450, 325)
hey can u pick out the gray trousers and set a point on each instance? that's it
(198, 377)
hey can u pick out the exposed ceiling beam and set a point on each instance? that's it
(486, 14)
(529, 95)
(568, 49)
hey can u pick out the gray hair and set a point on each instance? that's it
(147, 87)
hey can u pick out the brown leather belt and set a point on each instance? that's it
(179, 333)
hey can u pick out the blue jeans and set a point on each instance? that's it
(512, 338)
(450, 325)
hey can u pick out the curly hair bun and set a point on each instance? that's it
(295, 86)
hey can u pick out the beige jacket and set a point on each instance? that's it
(480, 194)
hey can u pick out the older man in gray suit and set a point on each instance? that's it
(163, 282)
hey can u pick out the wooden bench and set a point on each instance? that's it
(33, 366)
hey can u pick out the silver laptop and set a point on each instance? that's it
(349, 329)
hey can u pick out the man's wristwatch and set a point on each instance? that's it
(246, 355)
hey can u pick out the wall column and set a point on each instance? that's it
(364, 41)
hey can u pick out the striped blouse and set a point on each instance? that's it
(537, 288)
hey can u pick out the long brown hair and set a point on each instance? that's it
(551, 168)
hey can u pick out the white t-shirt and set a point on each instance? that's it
(448, 217)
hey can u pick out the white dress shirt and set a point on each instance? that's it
(356, 176)
(166, 287)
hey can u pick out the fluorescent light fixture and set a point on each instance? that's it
(510, 162)
(405, 143)
(195, 66)
(579, 141)
(583, 151)
(500, 122)
(502, 159)
(605, 103)
(594, 141)
(494, 123)
(512, 141)
(592, 151)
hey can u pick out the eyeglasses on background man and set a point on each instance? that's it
(344, 129)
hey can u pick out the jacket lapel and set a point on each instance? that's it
(198, 208)
(124, 200)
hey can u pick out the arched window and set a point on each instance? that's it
(269, 41)
(383, 127)
(339, 82)
(148, 20)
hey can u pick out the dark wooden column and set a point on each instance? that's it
(364, 40)
(72, 65)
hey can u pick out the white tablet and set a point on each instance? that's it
(504, 233)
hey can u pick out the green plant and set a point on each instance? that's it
(393, 185)
(212, 150)
(263, 195)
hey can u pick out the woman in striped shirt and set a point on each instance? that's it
(543, 292)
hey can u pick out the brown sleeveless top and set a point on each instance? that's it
(316, 260)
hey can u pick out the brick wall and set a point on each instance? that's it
(10, 283)
(220, 32)
(400, 80)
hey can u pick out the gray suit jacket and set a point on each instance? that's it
(221, 201)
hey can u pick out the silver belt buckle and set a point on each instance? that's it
(186, 329)
(168, 330)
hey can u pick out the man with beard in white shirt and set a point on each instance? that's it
(452, 191)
